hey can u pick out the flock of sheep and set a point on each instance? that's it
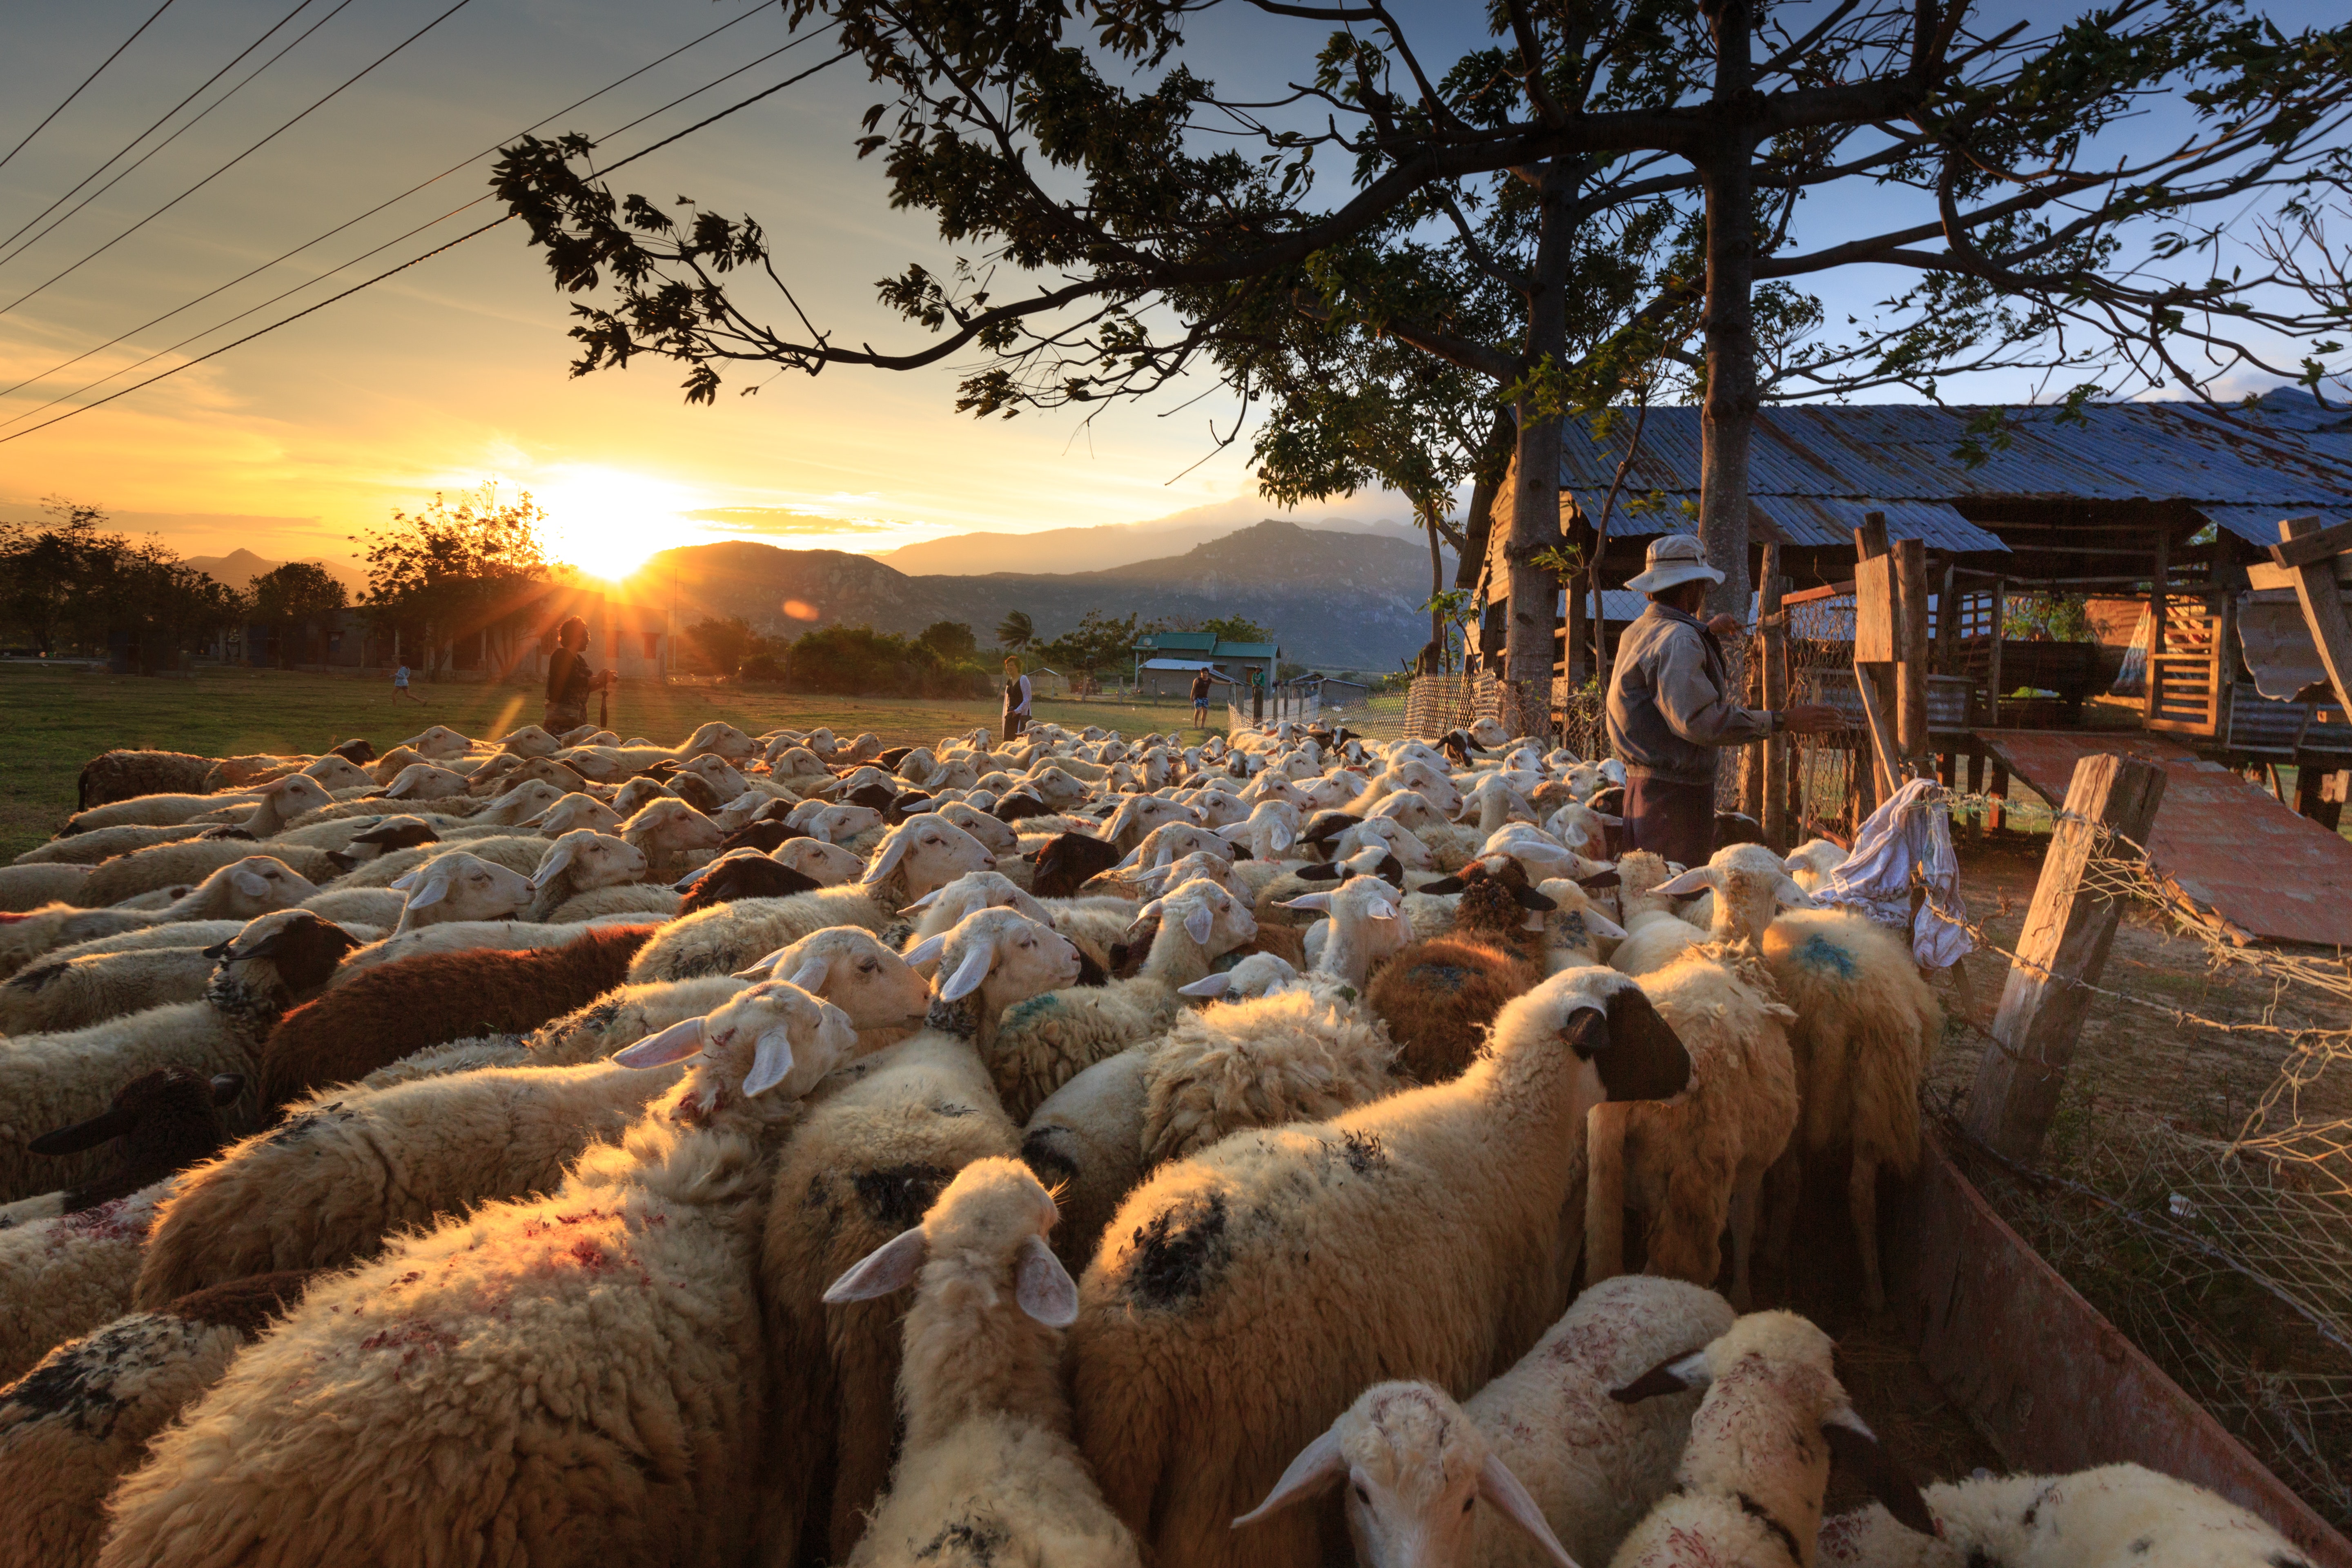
(1062, 1151)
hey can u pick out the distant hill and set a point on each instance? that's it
(1339, 600)
(238, 568)
(1110, 545)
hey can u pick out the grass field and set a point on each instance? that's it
(55, 720)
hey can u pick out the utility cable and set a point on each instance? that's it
(299, 6)
(92, 77)
(288, 256)
(240, 158)
(412, 261)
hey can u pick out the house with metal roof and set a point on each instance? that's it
(1165, 659)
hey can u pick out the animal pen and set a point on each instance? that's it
(2175, 1287)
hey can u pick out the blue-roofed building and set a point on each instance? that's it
(1166, 662)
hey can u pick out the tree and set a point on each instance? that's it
(1235, 628)
(299, 594)
(951, 640)
(1015, 632)
(470, 567)
(1097, 643)
(1639, 131)
(722, 644)
(70, 584)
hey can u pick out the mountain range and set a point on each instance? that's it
(239, 567)
(1338, 599)
(1110, 545)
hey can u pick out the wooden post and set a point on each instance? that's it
(1911, 648)
(1772, 645)
(2155, 701)
(2322, 600)
(1992, 652)
(1877, 646)
(1948, 624)
(1997, 813)
(2062, 950)
(1576, 659)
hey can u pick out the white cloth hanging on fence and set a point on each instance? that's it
(1912, 832)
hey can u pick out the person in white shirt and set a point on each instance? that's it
(1016, 699)
(400, 687)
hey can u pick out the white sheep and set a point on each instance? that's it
(987, 1452)
(457, 884)
(56, 992)
(673, 836)
(1566, 1469)
(54, 1080)
(1812, 862)
(2115, 1516)
(1366, 927)
(1748, 1489)
(579, 862)
(635, 1281)
(66, 1275)
(1191, 1410)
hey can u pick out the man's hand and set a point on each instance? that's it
(1810, 719)
(1724, 626)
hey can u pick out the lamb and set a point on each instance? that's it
(119, 776)
(1365, 929)
(921, 853)
(51, 1080)
(1190, 1412)
(652, 1242)
(1042, 1044)
(396, 1009)
(1567, 1469)
(579, 862)
(81, 1419)
(1699, 1162)
(456, 885)
(988, 1450)
(1748, 1489)
(346, 1172)
(875, 1149)
(2115, 1516)
(673, 836)
(190, 860)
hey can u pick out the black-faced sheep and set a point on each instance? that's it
(1191, 1414)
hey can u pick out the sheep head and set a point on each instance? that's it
(438, 742)
(924, 852)
(1625, 1051)
(456, 885)
(422, 780)
(572, 812)
(670, 830)
(827, 865)
(1258, 975)
(244, 888)
(294, 949)
(1206, 912)
(773, 1035)
(854, 970)
(586, 859)
(1001, 955)
(986, 1234)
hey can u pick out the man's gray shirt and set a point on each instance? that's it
(1670, 701)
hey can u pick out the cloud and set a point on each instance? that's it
(782, 520)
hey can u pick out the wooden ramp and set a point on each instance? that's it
(2226, 843)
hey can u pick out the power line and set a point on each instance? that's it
(240, 158)
(298, 7)
(288, 256)
(322, 304)
(92, 77)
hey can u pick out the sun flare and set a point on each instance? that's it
(606, 521)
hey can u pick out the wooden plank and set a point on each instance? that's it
(2156, 609)
(1809, 596)
(1875, 640)
(2323, 608)
(2309, 542)
(1993, 657)
(1910, 557)
(2061, 951)
(1772, 644)
(1886, 753)
(1947, 623)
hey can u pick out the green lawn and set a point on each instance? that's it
(55, 720)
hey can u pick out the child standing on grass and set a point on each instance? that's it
(400, 687)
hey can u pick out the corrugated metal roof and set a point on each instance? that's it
(1877, 456)
(2259, 524)
(1808, 519)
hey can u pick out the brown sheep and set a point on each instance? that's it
(1439, 996)
(404, 1006)
(117, 775)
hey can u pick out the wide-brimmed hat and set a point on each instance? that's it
(1674, 558)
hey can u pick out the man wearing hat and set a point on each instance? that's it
(1670, 706)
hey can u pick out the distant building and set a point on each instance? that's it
(1157, 653)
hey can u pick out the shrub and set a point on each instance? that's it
(761, 667)
(858, 661)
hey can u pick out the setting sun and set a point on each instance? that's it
(606, 523)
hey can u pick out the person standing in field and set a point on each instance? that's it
(1016, 699)
(1201, 684)
(569, 679)
(400, 687)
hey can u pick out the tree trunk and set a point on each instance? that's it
(1728, 419)
(1535, 498)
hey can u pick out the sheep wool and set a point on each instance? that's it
(596, 1357)
(1191, 1413)
(118, 775)
(988, 1453)
(65, 1275)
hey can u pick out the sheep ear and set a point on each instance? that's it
(1150, 911)
(772, 1063)
(1676, 1374)
(1200, 921)
(922, 903)
(1855, 1446)
(1608, 879)
(1608, 821)
(405, 880)
(1691, 883)
(890, 1267)
(1502, 1490)
(1212, 986)
(1331, 873)
(1318, 1467)
(810, 975)
(1319, 903)
(1794, 897)
(674, 1044)
(552, 864)
(252, 884)
(759, 969)
(1600, 924)
(115, 1123)
(435, 888)
(1281, 837)
(1380, 910)
(926, 950)
(226, 1087)
(1528, 899)
(969, 974)
(886, 861)
(1043, 1287)
(1443, 885)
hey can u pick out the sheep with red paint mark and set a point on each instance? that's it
(596, 1355)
